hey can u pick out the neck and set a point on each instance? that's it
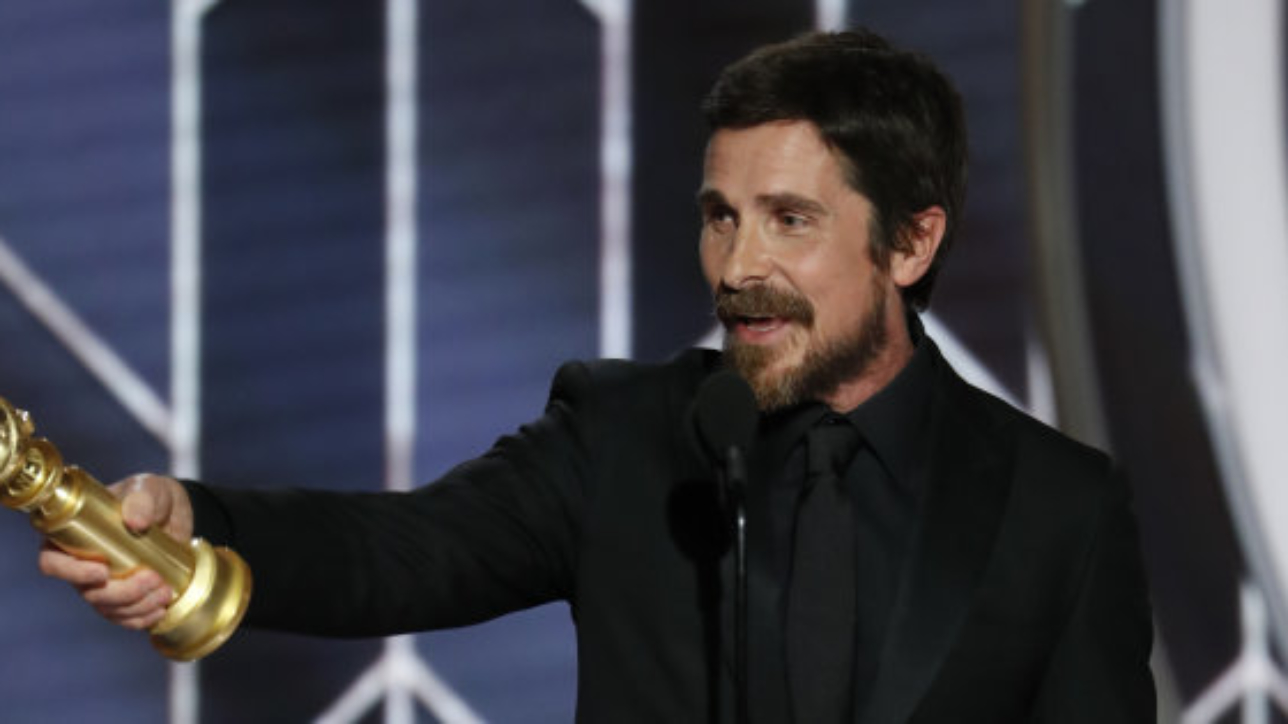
(876, 374)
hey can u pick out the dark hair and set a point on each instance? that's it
(895, 118)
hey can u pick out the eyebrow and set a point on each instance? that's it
(708, 197)
(792, 201)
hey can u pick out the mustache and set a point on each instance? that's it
(761, 300)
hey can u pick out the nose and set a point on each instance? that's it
(746, 259)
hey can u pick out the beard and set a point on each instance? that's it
(824, 367)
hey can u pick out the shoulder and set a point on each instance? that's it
(629, 420)
(613, 400)
(626, 382)
(1032, 434)
(1031, 444)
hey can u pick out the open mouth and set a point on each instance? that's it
(760, 323)
(757, 329)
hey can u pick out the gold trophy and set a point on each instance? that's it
(211, 585)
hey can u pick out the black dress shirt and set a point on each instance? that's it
(884, 484)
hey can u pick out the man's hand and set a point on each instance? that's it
(138, 600)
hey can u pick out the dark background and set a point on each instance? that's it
(292, 342)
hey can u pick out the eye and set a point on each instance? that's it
(792, 220)
(720, 218)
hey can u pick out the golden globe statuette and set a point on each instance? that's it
(211, 585)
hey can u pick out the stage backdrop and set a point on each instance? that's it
(344, 245)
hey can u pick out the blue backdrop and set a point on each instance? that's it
(509, 200)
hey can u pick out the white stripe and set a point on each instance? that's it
(134, 394)
(615, 172)
(1037, 367)
(399, 676)
(1252, 681)
(185, 233)
(400, 244)
(359, 698)
(185, 285)
(970, 367)
(412, 673)
(399, 669)
(830, 14)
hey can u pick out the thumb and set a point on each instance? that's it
(145, 503)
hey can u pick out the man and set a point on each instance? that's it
(918, 550)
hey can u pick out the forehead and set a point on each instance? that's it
(786, 156)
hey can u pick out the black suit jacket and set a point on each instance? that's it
(1023, 598)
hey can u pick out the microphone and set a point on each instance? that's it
(724, 419)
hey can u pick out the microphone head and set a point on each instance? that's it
(724, 414)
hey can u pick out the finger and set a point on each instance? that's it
(59, 564)
(145, 502)
(123, 593)
(156, 601)
(143, 622)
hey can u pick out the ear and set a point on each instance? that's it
(917, 245)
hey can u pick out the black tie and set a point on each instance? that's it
(821, 592)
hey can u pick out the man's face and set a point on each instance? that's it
(785, 248)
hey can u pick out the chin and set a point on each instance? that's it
(775, 387)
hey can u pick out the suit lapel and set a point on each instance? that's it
(967, 480)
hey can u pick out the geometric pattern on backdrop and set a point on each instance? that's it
(311, 241)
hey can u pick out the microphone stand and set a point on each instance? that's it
(735, 486)
(724, 419)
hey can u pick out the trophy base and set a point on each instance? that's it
(208, 610)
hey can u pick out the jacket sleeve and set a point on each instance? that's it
(1099, 670)
(495, 534)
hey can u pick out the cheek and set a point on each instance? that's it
(846, 298)
(709, 258)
